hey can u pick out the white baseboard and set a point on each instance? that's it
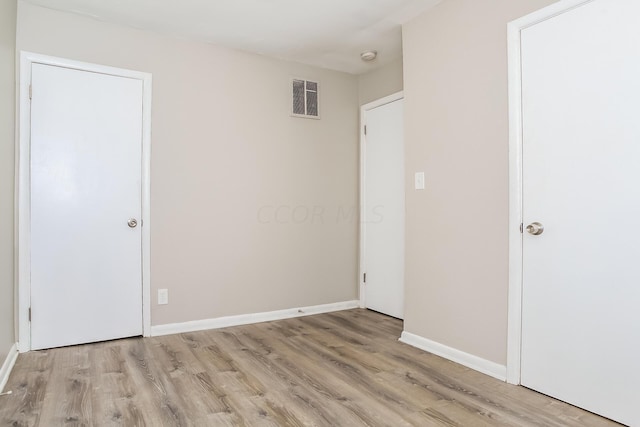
(469, 360)
(245, 319)
(7, 366)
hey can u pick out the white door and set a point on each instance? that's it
(384, 209)
(581, 171)
(86, 260)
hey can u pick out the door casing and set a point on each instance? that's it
(363, 165)
(514, 28)
(23, 186)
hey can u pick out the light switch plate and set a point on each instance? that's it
(419, 184)
(163, 296)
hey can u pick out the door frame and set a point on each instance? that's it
(514, 29)
(23, 185)
(363, 169)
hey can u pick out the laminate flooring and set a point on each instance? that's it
(338, 369)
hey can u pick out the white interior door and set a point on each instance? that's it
(86, 165)
(384, 209)
(581, 181)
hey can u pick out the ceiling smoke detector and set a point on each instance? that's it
(369, 55)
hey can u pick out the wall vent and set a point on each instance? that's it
(305, 99)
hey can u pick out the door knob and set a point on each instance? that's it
(535, 228)
(132, 222)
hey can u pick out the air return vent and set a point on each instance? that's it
(305, 99)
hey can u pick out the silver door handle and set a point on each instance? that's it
(535, 228)
(132, 222)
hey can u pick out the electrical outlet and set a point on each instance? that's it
(163, 296)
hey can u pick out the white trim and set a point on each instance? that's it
(546, 13)
(514, 29)
(382, 101)
(363, 169)
(515, 206)
(23, 225)
(147, 90)
(23, 218)
(479, 364)
(7, 366)
(246, 319)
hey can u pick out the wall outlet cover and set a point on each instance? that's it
(163, 296)
(419, 181)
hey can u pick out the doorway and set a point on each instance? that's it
(575, 200)
(83, 174)
(383, 206)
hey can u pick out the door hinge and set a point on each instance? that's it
(521, 227)
(365, 130)
(364, 278)
(30, 91)
(29, 314)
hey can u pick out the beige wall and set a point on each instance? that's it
(7, 142)
(456, 127)
(225, 156)
(381, 82)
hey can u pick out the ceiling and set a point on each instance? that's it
(325, 33)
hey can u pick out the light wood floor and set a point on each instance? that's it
(339, 369)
